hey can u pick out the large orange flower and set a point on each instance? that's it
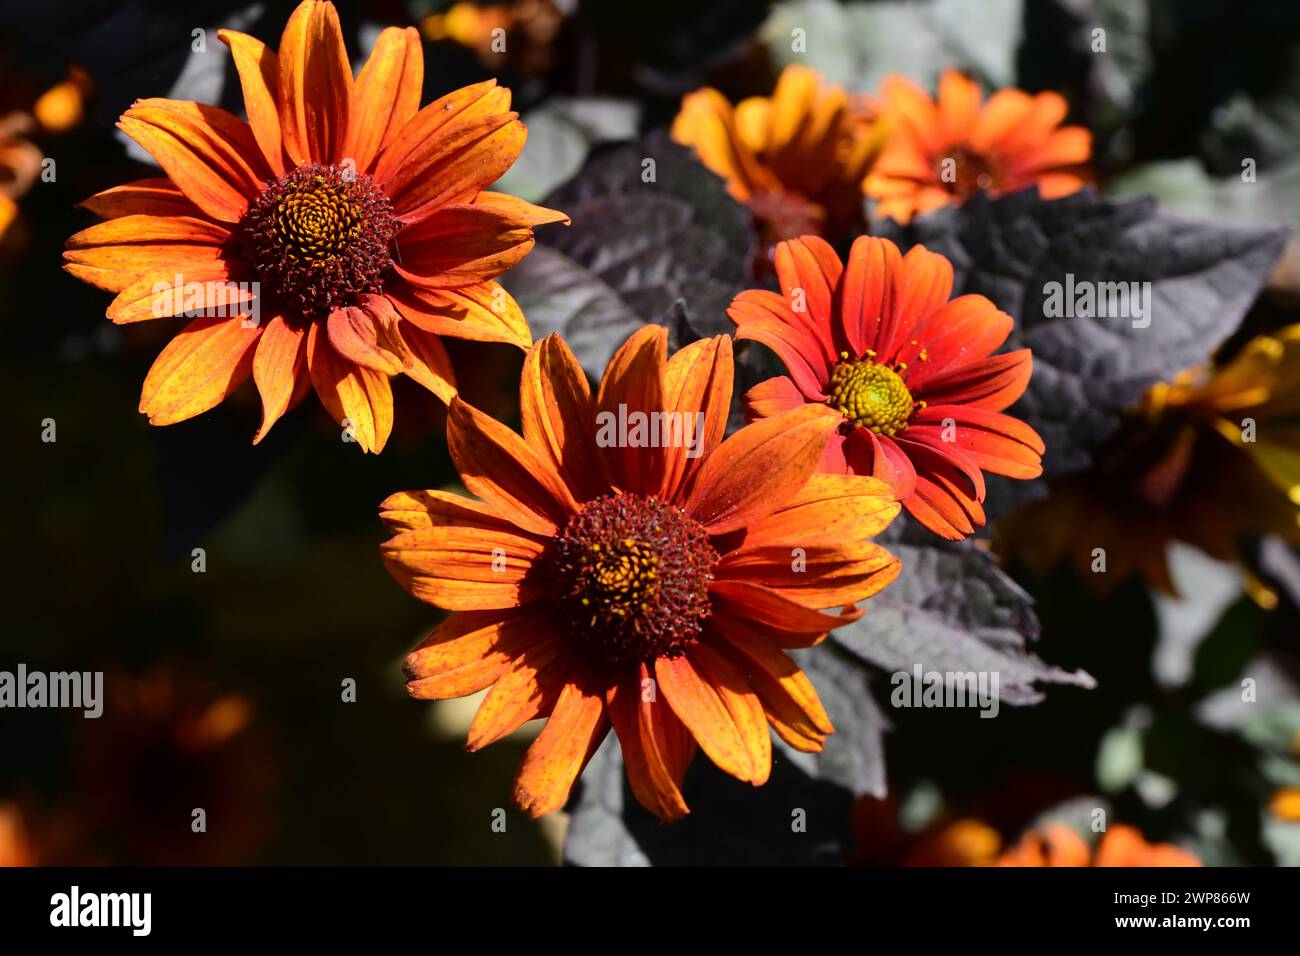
(797, 159)
(943, 151)
(604, 582)
(911, 373)
(328, 242)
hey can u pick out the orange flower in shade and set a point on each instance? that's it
(328, 242)
(911, 373)
(944, 151)
(1285, 805)
(797, 159)
(647, 588)
(1058, 845)
(16, 847)
(1211, 458)
(519, 35)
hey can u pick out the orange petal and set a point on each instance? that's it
(421, 510)
(719, 711)
(1046, 112)
(789, 699)
(528, 688)
(656, 746)
(760, 468)
(959, 106)
(315, 85)
(799, 626)
(768, 318)
(558, 414)
(279, 370)
(259, 78)
(1070, 146)
(417, 138)
(830, 511)
(367, 335)
(387, 95)
(867, 295)
(463, 158)
(465, 568)
(705, 123)
(466, 244)
(815, 577)
(211, 155)
(993, 383)
(557, 756)
(430, 365)
(912, 113)
(115, 267)
(468, 651)
(500, 467)
(943, 499)
(633, 383)
(144, 197)
(202, 289)
(697, 385)
(995, 442)
(964, 330)
(150, 230)
(922, 285)
(809, 271)
(483, 312)
(1004, 112)
(358, 398)
(207, 361)
(772, 397)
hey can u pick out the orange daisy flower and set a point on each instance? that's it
(328, 242)
(912, 374)
(797, 159)
(1211, 458)
(944, 151)
(1121, 845)
(651, 586)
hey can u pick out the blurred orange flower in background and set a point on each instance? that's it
(607, 579)
(327, 243)
(797, 159)
(1211, 458)
(1121, 845)
(15, 843)
(519, 35)
(909, 369)
(944, 150)
(56, 110)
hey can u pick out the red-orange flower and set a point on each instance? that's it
(328, 242)
(605, 578)
(911, 373)
(1121, 845)
(943, 151)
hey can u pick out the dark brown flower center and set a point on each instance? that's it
(631, 577)
(970, 172)
(320, 237)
